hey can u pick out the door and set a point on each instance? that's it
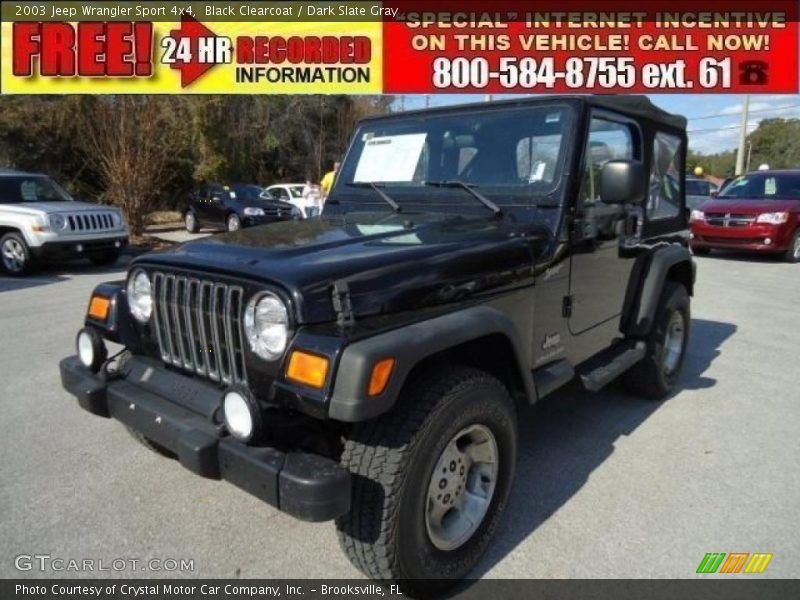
(217, 209)
(599, 272)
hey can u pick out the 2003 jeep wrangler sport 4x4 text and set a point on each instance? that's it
(367, 366)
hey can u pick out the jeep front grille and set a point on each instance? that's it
(90, 221)
(198, 326)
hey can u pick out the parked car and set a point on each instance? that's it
(369, 365)
(295, 193)
(698, 191)
(40, 220)
(232, 207)
(757, 212)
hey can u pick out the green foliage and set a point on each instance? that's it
(186, 139)
(775, 142)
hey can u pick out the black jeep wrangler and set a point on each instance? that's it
(367, 366)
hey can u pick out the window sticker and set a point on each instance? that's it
(770, 186)
(28, 191)
(390, 158)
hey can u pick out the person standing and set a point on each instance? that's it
(328, 180)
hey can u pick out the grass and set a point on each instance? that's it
(164, 217)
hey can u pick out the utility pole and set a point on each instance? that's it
(742, 136)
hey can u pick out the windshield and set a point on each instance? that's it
(249, 193)
(695, 187)
(512, 155)
(764, 186)
(31, 188)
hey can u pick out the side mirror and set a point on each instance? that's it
(623, 182)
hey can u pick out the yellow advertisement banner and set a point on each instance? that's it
(190, 56)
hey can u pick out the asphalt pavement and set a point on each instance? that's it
(607, 485)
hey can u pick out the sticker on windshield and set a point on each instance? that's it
(28, 191)
(390, 158)
(770, 186)
(552, 118)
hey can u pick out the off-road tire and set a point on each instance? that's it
(150, 444)
(792, 255)
(190, 222)
(648, 378)
(392, 458)
(105, 259)
(15, 241)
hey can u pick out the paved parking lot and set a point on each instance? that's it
(608, 485)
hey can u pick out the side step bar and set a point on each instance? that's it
(615, 362)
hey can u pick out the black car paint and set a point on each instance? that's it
(212, 204)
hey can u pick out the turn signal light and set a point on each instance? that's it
(98, 308)
(308, 369)
(379, 379)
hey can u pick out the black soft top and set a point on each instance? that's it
(633, 105)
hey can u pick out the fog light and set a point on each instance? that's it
(118, 244)
(79, 248)
(767, 241)
(91, 350)
(241, 416)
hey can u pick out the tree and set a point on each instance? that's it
(130, 142)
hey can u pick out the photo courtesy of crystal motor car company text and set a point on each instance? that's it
(391, 299)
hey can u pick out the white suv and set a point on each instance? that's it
(39, 219)
(310, 204)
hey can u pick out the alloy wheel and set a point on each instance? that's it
(13, 256)
(461, 487)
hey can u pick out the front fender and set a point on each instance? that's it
(409, 345)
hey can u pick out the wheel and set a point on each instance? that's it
(15, 254)
(655, 375)
(150, 444)
(701, 251)
(793, 251)
(431, 480)
(104, 259)
(234, 223)
(190, 221)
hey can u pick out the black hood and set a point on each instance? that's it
(389, 262)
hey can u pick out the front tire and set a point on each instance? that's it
(15, 255)
(446, 451)
(655, 376)
(793, 251)
(233, 223)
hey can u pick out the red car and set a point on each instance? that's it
(757, 212)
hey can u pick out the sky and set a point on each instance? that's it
(714, 119)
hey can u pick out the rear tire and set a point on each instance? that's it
(105, 259)
(150, 444)
(15, 255)
(654, 377)
(400, 527)
(190, 221)
(793, 251)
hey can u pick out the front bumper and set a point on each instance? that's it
(757, 237)
(79, 248)
(307, 486)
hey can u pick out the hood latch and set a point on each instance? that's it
(342, 305)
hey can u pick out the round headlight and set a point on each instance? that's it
(266, 325)
(57, 222)
(238, 416)
(140, 296)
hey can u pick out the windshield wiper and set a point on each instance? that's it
(470, 188)
(375, 185)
